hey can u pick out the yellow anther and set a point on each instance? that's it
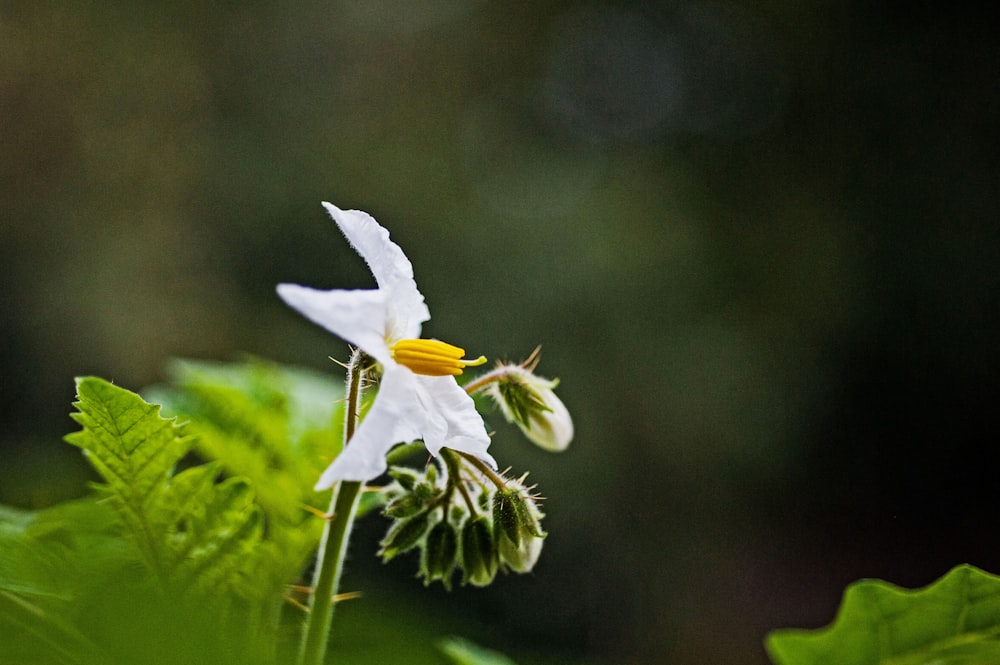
(431, 357)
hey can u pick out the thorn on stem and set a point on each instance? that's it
(319, 513)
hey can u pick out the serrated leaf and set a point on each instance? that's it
(278, 426)
(228, 528)
(125, 438)
(954, 621)
(189, 528)
(275, 425)
(133, 449)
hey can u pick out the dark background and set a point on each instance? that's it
(757, 241)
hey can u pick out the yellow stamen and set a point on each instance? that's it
(431, 357)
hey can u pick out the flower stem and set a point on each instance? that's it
(485, 380)
(333, 546)
(454, 464)
(500, 372)
(493, 476)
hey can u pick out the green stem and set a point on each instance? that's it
(333, 546)
(454, 464)
(493, 476)
(485, 380)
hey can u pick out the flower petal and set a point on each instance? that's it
(392, 270)
(395, 417)
(451, 418)
(550, 430)
(359, 317)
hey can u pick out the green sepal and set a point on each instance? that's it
(404, 506)
(405, 476)
(403, 536)
(413, 500)
(479, 554)
(440, 552)
(530, 517)
(521, 398)
(508, 506)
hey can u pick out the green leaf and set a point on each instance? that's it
(41, 636)
(954, 621)
(51, 560)
(125, 438)
(190, 530)
(276, 426)
(133, 449)
(463, 652)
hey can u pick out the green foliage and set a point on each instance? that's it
(184, 551)
(42, 573)
(189, 529)
(174, 559)
(277, 426)
(463, 652)
(274, 426)
(954, 621)
(134, 450)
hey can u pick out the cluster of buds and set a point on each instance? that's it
(465, 518)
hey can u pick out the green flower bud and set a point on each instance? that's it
(440, 551)
(529, 401)
(479, 555)
(410, 494)
(515, 514)
(506, 511)
(404, 506)
(517, 527)
(403, 536)
(405, 476)
(483, 500)
(520, 559)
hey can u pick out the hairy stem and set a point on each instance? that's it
(454, 464)
(493, 476)
(485, 380)
(330, 561)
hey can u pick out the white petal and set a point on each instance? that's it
(550, 430)
(358, 317)
(451, 418)
(395, 417)
(392, 270)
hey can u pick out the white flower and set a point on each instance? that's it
(418, 397)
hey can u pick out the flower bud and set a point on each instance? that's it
(405, 476)
(515, 514)
(506, 510)
(440, 551)
(410, 494)
(403, 536)
(529, 401)
(404, 506)
(520, 559)
(517, 528)
(479, 555)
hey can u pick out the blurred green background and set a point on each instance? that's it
(757, 241)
